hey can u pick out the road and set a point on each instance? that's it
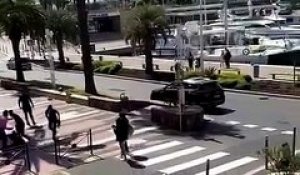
(238, 127)
(231, 147)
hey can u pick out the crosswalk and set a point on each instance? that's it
(162, 152)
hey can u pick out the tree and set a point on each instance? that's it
(19, 18)
(63, 25)
(142, 25)
(85, 48)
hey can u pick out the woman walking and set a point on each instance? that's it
(122, 131)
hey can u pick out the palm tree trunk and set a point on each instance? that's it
(148, 57)
(86, 53)
(19, 72)
(59, 45)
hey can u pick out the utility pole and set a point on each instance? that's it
(226, 23)
(49, 35)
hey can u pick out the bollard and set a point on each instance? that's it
(91, 142)
(207, 166)
(294, 141)
(27, 158)
(55, 151)
(266, 152)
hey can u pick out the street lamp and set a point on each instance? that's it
(49, 35)
(201, 39)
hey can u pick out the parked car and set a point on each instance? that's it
(25, 62)
(198, 91)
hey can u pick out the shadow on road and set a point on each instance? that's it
(135, 164)
(219, 111)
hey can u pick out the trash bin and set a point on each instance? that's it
(255, 70)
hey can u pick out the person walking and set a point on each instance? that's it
(123, 130)
(227, 57)
(3, 127)
(53, 117)
(26, 104)
(190, 59)
(19, 124)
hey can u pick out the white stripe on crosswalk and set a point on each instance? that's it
(233, 122)
(255, 171)
(4, 95)
(71, 115)
(229, 166)
(250, 126)
(173, 155)
(268, 129)
(186, 165)
(157, 148)
(112, 138)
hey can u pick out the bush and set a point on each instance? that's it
(78, 67)
(114, 69)
(228, 83)
(107, 67)
(244, 86)
(248, 78)
(210, 72)
(191, 74)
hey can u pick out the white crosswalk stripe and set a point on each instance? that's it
(193, 163)
(173, 155)
(157, 148)
(229, 166)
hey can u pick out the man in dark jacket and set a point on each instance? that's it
(20, 125)
(227, 57)
(53, 117)
(26, 104)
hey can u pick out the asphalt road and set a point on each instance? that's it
(239, 125)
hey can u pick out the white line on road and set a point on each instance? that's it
(157, 148)
(112, 138)
(268, 129)
(250, 126)
(229, 166)
(199, 161)
(4, 95)
(174, 155)
(232, 122)
(253, 172)
(287, 132)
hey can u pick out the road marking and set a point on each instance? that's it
(287, 132)
(199, 161)
(112, 138)
(173, 155)
(232, 122)
(229, 166)
(4, 95)
(206, 117)
(250, 126)
(268, 129)
(255, 171)
(157, 148)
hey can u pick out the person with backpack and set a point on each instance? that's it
(53, 117)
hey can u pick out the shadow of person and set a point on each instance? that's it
(139, 158)
(135, 164)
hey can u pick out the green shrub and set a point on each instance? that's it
(78, 67)
(191, 74)
(248, 78)
(114, 69)
(243, 86)
(228, 83)
(107, 67)
(210, 72)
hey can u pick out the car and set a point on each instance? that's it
(198, 91)
(25, 62)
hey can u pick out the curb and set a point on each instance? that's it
(119, 77)
(263, 94)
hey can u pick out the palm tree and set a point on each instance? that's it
(63, 25)
(85, 48)
(17, 18)
(142, 25)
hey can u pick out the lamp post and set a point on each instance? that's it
(49, 35)
(201, 39)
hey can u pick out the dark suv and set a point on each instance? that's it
(25, 63)
(198, 91)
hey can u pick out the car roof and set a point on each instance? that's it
(198, 80)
